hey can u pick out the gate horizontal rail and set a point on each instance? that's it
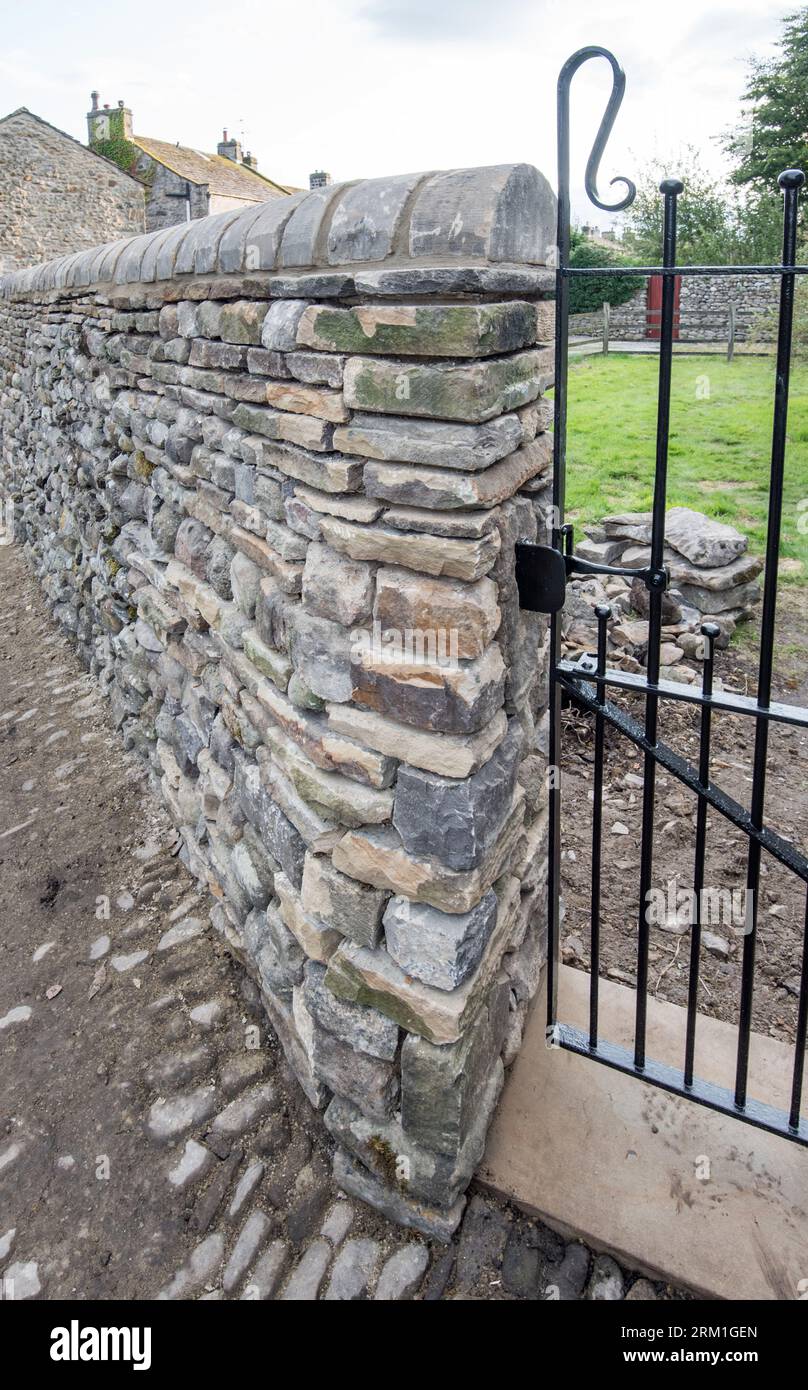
(542, 574)
(726, 700)
(573, 271)
(781, 849)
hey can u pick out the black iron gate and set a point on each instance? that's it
(542, 573)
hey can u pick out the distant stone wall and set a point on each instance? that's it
(56, 196)
(705, 301)
(703, 311)
(271, 472)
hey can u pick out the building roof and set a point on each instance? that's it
(23, 111)
(223, 176)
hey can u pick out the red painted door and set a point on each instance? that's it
(653, 306)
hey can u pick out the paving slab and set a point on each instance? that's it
(696, 1197)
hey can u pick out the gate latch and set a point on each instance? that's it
(542, 572)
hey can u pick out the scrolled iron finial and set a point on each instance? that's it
(609, 116)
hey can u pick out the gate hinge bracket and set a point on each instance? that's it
(542, 573)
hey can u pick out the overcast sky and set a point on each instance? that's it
(368, 87)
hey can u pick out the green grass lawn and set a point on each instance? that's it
(720, 444)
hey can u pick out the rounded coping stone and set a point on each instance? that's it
(365, 219)
(169, 250)
(148, 268)
(44, 277)
(127, 268)
(252, 242)
(202, 242)
(100, 256)
(298, 248)
(497, 214)
(83, 267)
(115, 249)
(63, 273)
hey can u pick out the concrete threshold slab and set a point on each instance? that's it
(680, 1191)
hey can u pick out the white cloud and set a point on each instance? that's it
(368, 87)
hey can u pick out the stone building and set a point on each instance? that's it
(180, 183)
(57, 196)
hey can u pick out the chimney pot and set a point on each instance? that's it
(229, 149)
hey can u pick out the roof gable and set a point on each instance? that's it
(92, 154)
(222, 176)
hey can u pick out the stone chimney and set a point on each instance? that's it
(104, 123)
(250, 160)
(229, 149)
(319, 179)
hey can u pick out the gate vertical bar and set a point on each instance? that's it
(790, 181)
(710, 631)
(670, 188)
(802, 1029)
(565, 77)
(559, 464)
(602, 613)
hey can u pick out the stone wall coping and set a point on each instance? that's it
(493, 215)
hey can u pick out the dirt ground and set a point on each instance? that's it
(102, 1022)
(782, 896)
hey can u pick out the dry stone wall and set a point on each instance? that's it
(271, 470)
(704, 303)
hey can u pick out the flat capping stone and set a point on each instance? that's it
(500, 216)
(417, 281)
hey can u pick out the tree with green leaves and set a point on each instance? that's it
(716, 224)
(771, 136)
(589, 293)
(773, 132)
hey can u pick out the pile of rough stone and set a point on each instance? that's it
(712, 579)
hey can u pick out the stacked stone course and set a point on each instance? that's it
(260, 491)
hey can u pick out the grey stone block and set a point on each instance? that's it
(440, 948)
(458, 821)
(506, 212)
(354, 908)
(366, 217)
(440, 1086)
(364, 1029)
(321, 652)
(354, 1178)
(335, 587)
(437, 443)
(367, 1082)
(279, 333)
(397, 1160)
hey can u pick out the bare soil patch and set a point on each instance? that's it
(782, 901)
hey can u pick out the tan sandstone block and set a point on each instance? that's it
(378, 857)
(448, 755)
(406, 601)
(435, 555)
